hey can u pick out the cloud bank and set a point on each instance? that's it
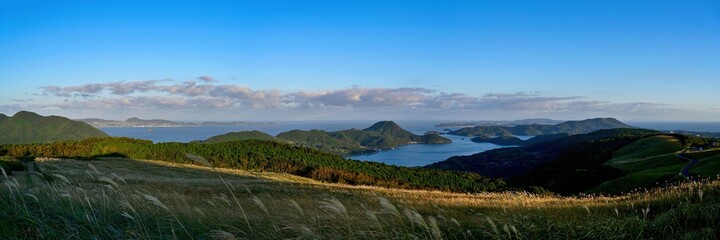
(205, 94)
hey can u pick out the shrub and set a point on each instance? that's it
(11, 164)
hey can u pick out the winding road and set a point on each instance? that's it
(686, 170)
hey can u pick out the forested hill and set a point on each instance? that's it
(270, 156)
(381, 135)
(569, 127)
(240, 136)
(587, 152)
(29, 127)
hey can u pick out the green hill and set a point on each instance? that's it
(569, 127)
(608, 161)
(242, 135)
(484, 131)
(644, 163)
(569, 164)
(392, 129)
(504, 140)
(509, 140)
(388, 134)
(321, 140)
(646, 148)
(381, 135)
(29, 127)
(434, 138)
(708, 163)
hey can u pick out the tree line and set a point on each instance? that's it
(259, 155)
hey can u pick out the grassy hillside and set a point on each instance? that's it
(649, 162)
(569, 127)
(708, 163)
(645, 148)
(649, 173)
(28, 127)
(577, 163)
(508, 162)
(242, 135)
(259, 155)
(131, 199)
(607, 161)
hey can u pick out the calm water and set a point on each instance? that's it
(424, 154)
(409, 155)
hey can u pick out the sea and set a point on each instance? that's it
(413, 155)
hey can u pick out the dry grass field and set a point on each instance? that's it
(116, 198)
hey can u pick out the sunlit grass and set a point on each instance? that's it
(139, 199)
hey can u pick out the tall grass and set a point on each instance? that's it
(126, 199)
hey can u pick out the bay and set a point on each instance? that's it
(414, 155)
(408, 155)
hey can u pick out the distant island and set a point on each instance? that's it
(507, 136)
(543, 121)
(569, 127)
(381, 135)
(137, 122)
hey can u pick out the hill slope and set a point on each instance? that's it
(570, 164)
(644, 163)
(569, 127)
(242, 135)
(29, 127)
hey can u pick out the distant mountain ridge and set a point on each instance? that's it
(137, 122)
(381, 135)
(28, 127)
(569, 127)
(529, 121)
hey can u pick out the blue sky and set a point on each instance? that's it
(299, 60)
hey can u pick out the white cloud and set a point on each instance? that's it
(161, 95)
